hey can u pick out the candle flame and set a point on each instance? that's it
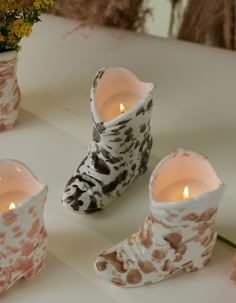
(12, 205)
(122, 108)
(186, 193)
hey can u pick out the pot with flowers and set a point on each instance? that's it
(16, 20)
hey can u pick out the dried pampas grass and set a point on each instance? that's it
(210, 22)
(207, 21)
(127, 14)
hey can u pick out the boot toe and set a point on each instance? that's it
(118, 267)
(106, 270)
(81, 201)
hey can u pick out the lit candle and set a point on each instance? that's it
(117, 105)
(116, 86)
(122, 108)
(186, 193)
(177, 191)
(12, 206)
(7, 200)
(183, 176)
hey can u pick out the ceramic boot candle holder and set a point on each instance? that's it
(9, 90)
(23, 237)
(121, 110)
(180, 231)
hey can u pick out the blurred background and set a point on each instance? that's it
(158, 23)
(209, 22)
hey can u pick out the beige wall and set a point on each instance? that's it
(158, 24)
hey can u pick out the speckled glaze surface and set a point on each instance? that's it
(118, 153)
(23, 237)
(175, 236)
(9, 90)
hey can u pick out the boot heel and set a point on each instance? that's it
(142, 170)
(145, 158)
(33, 271)
(196, 265)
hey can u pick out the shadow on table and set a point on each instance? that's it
(47, 278)
(72, 93)
(57, 282)
(26, 119)
(208, 139)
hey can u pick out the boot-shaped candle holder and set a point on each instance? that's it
(180, 231)
(121, 110)
(23, 238)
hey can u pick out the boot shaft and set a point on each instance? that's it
(196, 213)
(22, 228)
(121, 133)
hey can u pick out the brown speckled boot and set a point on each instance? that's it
(176, 235)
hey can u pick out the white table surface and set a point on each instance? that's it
(195, 107)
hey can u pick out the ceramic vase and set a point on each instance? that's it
(9, 90)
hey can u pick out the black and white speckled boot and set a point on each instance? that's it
(121, 142)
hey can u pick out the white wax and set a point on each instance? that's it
(15, 197)
(174, 192)
(111, 107)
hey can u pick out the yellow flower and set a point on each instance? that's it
(12, 41)
(43, 4)
(20, 28)
(10, 5)
(2, 38)
(3, 6)
(17, 18)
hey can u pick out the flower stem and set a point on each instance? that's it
(226, 241)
